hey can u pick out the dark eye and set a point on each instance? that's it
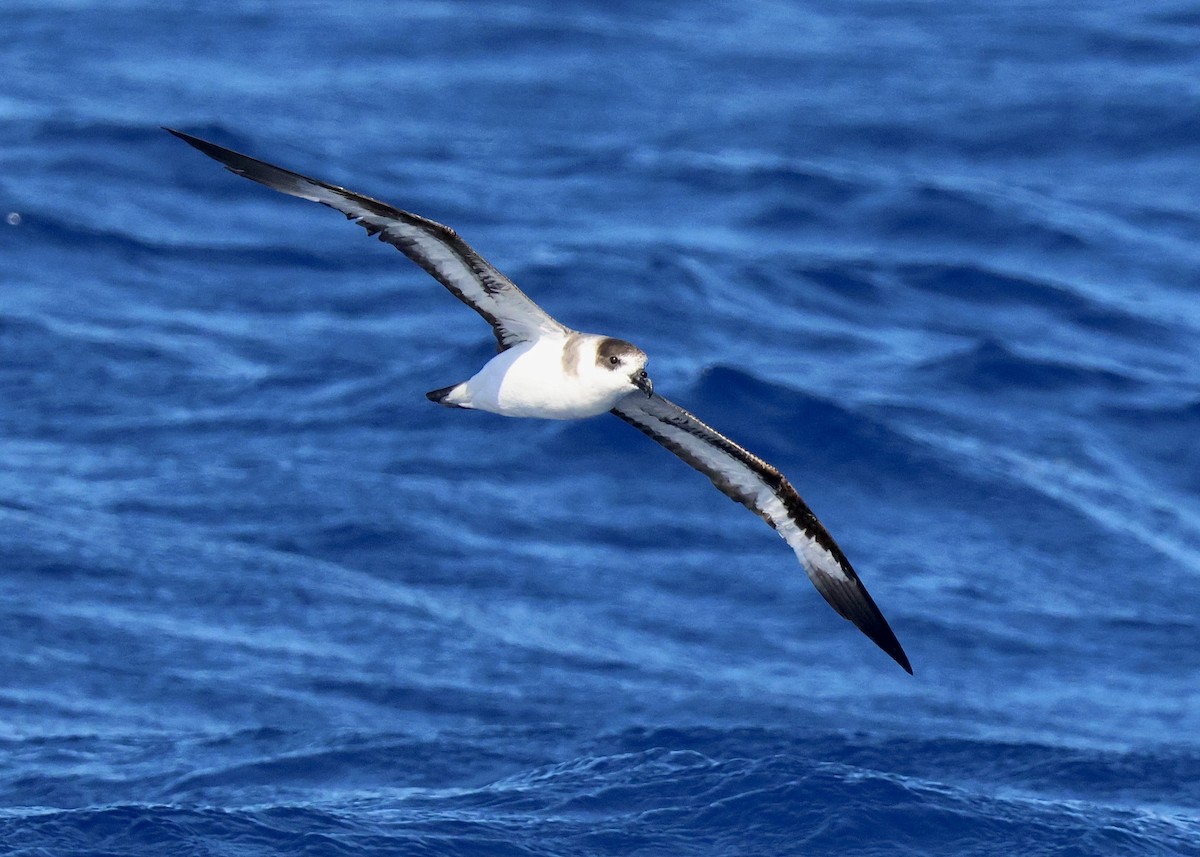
(614, 360)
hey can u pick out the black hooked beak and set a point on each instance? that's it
(642, 381)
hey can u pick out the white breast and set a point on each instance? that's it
(531, 380)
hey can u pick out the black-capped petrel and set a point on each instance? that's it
(545, 369)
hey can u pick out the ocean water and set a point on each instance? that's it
(937, 261)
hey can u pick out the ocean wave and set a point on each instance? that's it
(987, 287)
(990, 367)
(786, 422)
(683, 792)
(78, 235)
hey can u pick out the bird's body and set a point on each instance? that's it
(555, 377)
(545, 369)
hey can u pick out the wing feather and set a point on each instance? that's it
(754, 483)
(436, 248)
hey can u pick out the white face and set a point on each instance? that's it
(621, 367)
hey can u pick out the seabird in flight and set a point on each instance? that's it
(545, 369)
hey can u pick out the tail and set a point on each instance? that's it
(443, 396)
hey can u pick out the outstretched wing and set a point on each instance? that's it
(436, 248)
(761, 488)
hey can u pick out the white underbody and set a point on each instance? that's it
(531, 380)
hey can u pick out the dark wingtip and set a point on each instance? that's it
(849, 597)
(882, 635)
(218, 153)
(188, 138)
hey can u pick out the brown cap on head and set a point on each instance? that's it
(624, 352)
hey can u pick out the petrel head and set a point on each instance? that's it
(627, 362)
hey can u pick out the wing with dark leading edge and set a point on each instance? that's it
(436, 248)
(758, 486)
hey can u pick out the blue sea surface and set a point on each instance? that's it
(938, 262)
